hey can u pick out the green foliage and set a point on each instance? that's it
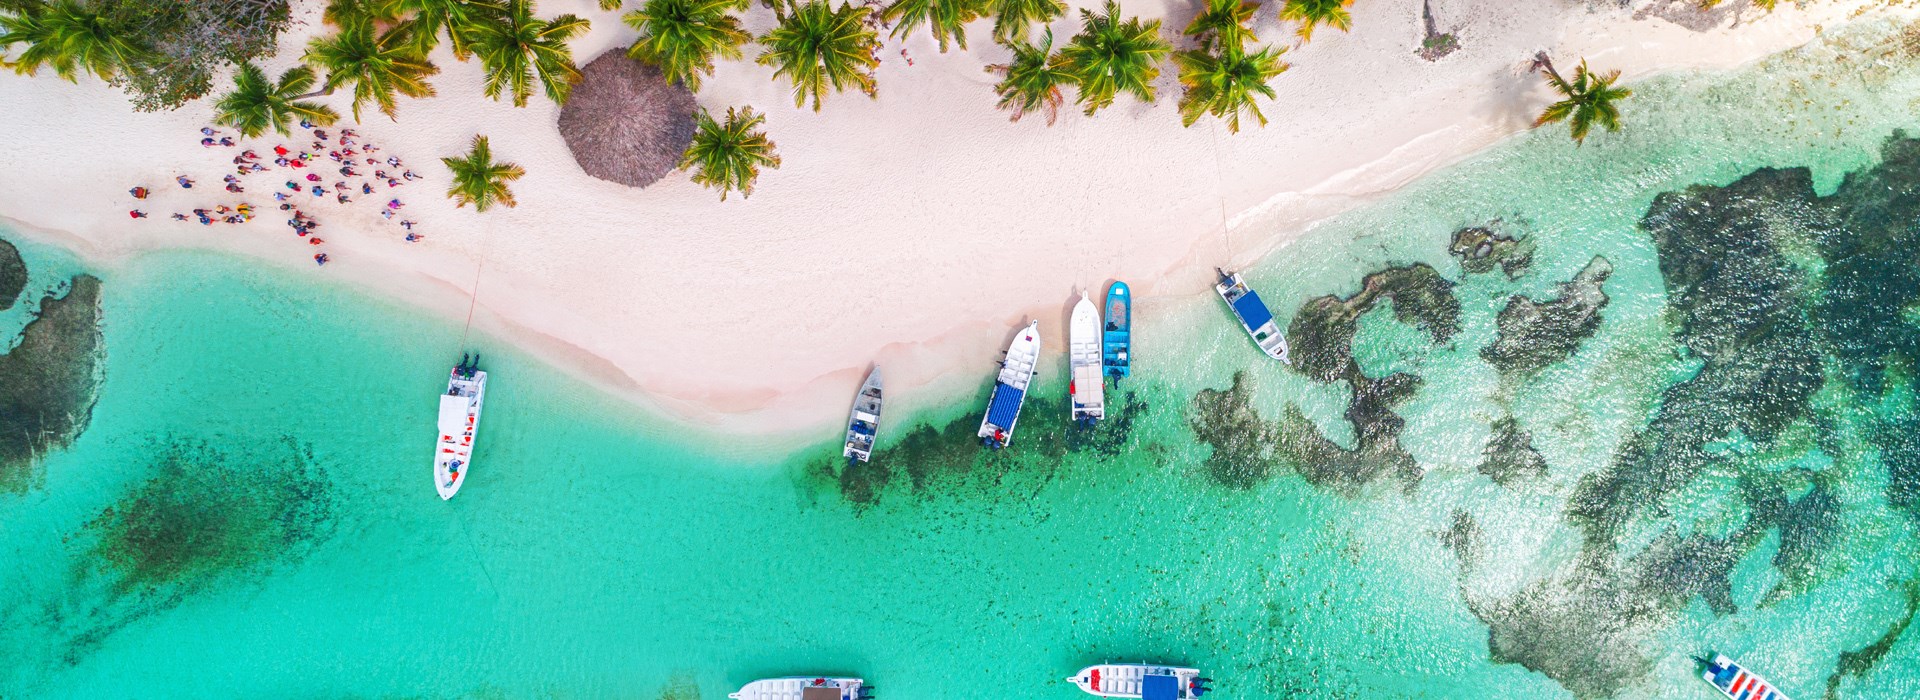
(380, 65)
(817, 46)
(683, 37)
(71, 39)
(1586, 101)
(1224, 83)
(426, 20)
(256, 105)
(1013, 17)
(480, 181)
(1110, 56)
(728, 156)
(1312, 13)
(1223, 23)
(1031, 81)
(521, 48)
(945, 18)
(162, 53)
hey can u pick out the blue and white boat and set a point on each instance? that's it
(805, 688)
(1117, 350)
(1253, 315)
(1737, 683)
(1141, 681)
(1010, 391)
(863, 422)
(1086, 385)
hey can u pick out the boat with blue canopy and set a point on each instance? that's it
(1010, 388)
(863, 422)
(1253, 315)
(1142, 681)
(1117, 349)
(1737, 683)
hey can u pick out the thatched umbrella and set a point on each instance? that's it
(625, 123)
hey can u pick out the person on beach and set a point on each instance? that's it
(366, 188)
(138, 192)
(235, 188)
(207, 131)
(293, 185)
(393, 161)
(137, 214)
(409, 176)
(319, 258)
(279, 196)
(343, 198)
(394, 204)
(316, 240)
(226, 140)
(282, 162)
(318, 191)
(406, 224)
(313, 177)
(392, 183)
(414, 238)
(185, 183)
(177, 216)
(304, 124)
(207, 142)
(280, 150)
(386, 214)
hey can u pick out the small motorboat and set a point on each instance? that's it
(1253, 315)
(863, 424)
(1087, 385)
(1010, 388)
(1117, 349)
(805, 688)
(459, 418)
(1737, 683)
(1142, 681)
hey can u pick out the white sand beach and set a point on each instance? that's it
(913, 230)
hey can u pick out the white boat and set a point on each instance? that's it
(1010, 390)
(1089, 382)
(1738, 683)
(1253, 315)
(863, 424)
(1142, 681)
(459, 417)
(804, 688)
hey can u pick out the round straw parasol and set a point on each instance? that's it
(624, 123)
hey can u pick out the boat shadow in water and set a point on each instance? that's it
(929, 457)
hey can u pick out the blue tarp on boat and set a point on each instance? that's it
(1159, 688)
(1252, 311)
(1004, 406)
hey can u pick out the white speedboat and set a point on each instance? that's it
(459, 417)
(804, 688)
(1010, 390)
(1142, 681)
(1088, 384)
(863, 424)
(1253, 315)
(1738, 683)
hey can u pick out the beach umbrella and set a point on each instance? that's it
(624, 123)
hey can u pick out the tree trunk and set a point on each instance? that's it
(1542, 60)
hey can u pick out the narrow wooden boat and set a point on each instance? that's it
(863, 423)
(1253, 315)
(1141, 681)
(1117, 350)
(1010, 388)
(1088, 383)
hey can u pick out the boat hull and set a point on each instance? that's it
(1253, 315)
(1087, 389)
(1010, 388)
(804, 688)
(1117, 335)
(1737, 683)
(863, 422)
(458, 423)
(1139, 681)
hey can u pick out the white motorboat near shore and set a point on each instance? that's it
(804, 688)
(459, 418)
(1010, 388)
(1141, 681)
(863, 423)
(1088, 382)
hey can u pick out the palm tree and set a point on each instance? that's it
(1223, 23)
(479, 181)
(379, 65)
(1012, 17)
(1223, 83)
(1032, 79)
(341, 13)
(71, 38)
(426, 20)
(729, 156)
(520, 47)
(256, 105)
(1109, 56)
(682, 37)
(1586, 101)
(816, 46)
(946, 18)
(1312, 13)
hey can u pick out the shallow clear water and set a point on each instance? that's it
(247, 511)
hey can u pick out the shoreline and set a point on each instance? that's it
(781, 354)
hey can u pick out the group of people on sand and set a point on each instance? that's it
(346, 150)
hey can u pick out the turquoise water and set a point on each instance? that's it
(246, 512)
